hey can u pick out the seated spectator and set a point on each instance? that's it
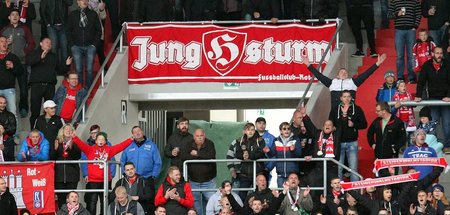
(262, 192)
(296, 200)
(262, 10)
(420, 150)
(49, 124)
(422, 206)
(439, 201)
(422, 49)
(68, 97)
(160, 210)
(34, 147)
(192, 211)
(138, 188)
(174, 193)
(123, 204)
(214, 205)
(7, 200)
(7, 131)
(72, 206)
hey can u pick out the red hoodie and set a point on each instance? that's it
(94, 152)
(70, 103)
(422, 52)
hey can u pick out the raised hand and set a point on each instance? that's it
(412, 209)
(305, 60)
(69, 60)
(323, 199)
(306, 191)
(381, 59)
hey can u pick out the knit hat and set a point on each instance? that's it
(438, 186)
(389, 73)
(425, 112)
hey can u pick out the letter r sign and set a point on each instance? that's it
(123, 111)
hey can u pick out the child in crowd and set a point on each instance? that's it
(405, 113)
(426, 122)
(422, 49)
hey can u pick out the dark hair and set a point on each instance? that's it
(93, 127)
(248, 125)
(422, 30)
(136, 126)
(183, 119)
(346, 91)
(71, 73)
(384, 106)
(159, 206)
(24, 211)
(14, 10)
(283, 124)
(129, 163)
(225, 182)
(447, 208)
(68, 194)
(387, 187)
(293, 173)
(353, 208)
(43, 38)
(2, 96)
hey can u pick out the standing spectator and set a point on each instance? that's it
(84, 35)
(201, 175)
(357, 11)
(285, 146)
(422, 49)
(99, 7)
(422, 206)
(386, 92)
(343, 82)
(262, 10)
(144, 154)
(10, 68)
(228, 10)
(386, 134)
(296, 200)
(54, 17)
(262, 192)
(34, 147)
(205, 10)
(7, 200)
(406, 15)
(100, 151)
(21, 43)
(49, 124)
(73, 205)
(438, 16)
(260, 125)
(94, 130)
(446, 42)
(177, 142)
(160, 210)
(214, 205)
(26, 9)
(113, 10)
(42, 81)
(384, 14)
(174, 193)
(318, 9)
(348, 118)
(140, 189)
(436, 75)
(66, 175)
(123, 204)
(420, 150)
(248, 147)
(374, 205)
(7, 131)
(439, 201)
(155, 10)
(406, 114)
(68, 97)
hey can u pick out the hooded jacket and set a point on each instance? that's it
(145, 156)
(40, 152)
(81, 210)
(355, 114)
(8, 203)
(254, 146)
(23, 42)
(281, 149)
(61, 93)
(388, 142)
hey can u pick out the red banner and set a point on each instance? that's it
(396, 162)
(396, 179)
(209, 53)
(32, 184)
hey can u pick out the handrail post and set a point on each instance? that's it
(83, 113)
(103, 78)
(325, 177)
(338, 34)
(254, 176)
(105, 186)
(121, 40)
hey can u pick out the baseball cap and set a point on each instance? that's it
(49, 104)
(260, 119)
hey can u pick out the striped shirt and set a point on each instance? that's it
(411, 19)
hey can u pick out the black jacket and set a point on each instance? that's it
(8, 76)
(8, 121)
(267, 8)
(317, 9)
(441, 15)
(144, 188)
(8, 203)
(273, 208)
(54, 11)
(388, 142)
(42, 70)
(315, 133)
(66, 172)
(355, 114)
(446, 39)
(201, 172)
(180, 141)
(375, 205)
(89, 35)
(265, 195)
(437, 81)
(50, 130)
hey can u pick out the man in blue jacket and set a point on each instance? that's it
(144, 154)
(34, 148)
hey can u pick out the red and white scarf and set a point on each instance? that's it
(72, 208)
(397, 162)
(329, 146)
(375, 182)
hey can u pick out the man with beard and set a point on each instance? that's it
(7, 200)
(177, 142)
(248, 147)
(436, 75)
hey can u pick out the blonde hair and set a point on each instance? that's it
(60, 137)
(120, 190)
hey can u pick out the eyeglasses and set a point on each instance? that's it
(286, 129)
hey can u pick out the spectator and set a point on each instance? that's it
(420, 150)
(447, 211)
(7, 130)
(262, 10)
(144, 153)
(34, 147)
(10, 68)
(348, 118)
(72, 206)
(113, 10)
(154, 10)
(160, 210)
(54, 17)
(285, 146)
(446, 42)
(406, 15)
(439, 201)
(192, 211)
(42, 81)
(335, 200)
(384, 14)
(25, 211)
(99, 7)
(68, 97)
(426, 121)
(248, 147)
(422, 49)
(262, 192)
(123, 204)
(296, 200)
(177, 142)
(438, 16)
(174, 193)
(201, 175)
(260, 125)
(94, 130)
(7, 200)
(343, 82)
(375, 205)
(357, 11)
(138, 188)
(299, 130)
(66, 175)
(386, 134)
(200, 10)
(100, 151)
(49, 124)
(436, 75)
(386, 92)
(215, 205)
(26, 10)
(229, 10)
(226, 207)
(406, 114)
(84, 35)
(422, 206)
(318, 9)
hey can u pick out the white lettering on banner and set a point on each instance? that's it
(31, 172)
(39, 182)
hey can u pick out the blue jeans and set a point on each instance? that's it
(384, 13)
(201, 198)
(437, 35)
(442, 112)
(10, 95)
(349, 150)
(404, 39)
(57, 34)
(84, 54)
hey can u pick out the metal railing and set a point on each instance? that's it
(422, 103)
(324, 160)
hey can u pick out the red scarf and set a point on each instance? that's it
(329, 147)
(23, 14)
